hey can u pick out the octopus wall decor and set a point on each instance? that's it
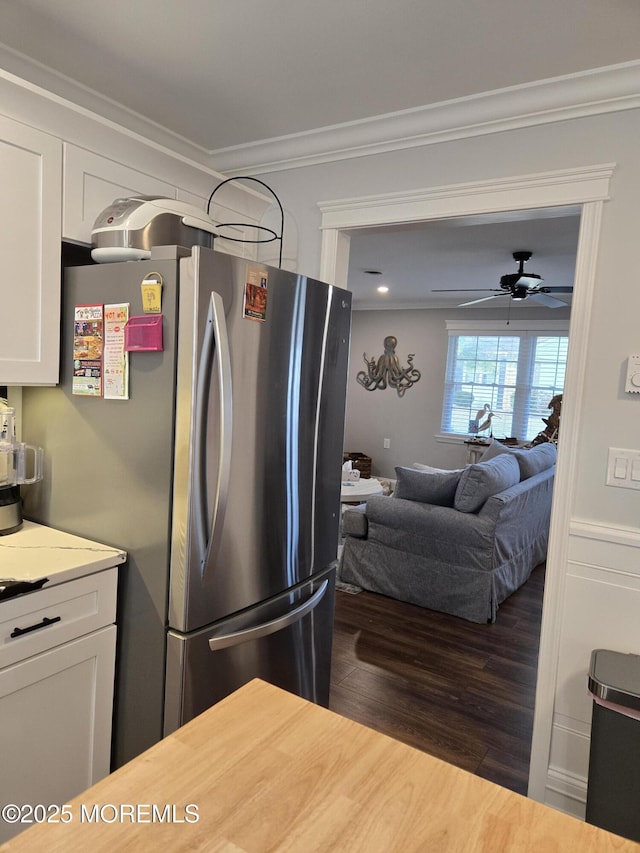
(387, 370)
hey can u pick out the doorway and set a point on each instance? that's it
(587, 187)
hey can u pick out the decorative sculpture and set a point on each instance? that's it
(486, 413)
(388, 370)
(550, 432)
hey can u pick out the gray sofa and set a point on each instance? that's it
(459, 542)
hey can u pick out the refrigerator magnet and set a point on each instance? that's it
(151, 290)
(88, 347)
(115, 359)
(255, 294)
(143, 334)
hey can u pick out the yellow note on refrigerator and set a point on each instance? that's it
(151, 289)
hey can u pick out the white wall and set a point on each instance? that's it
(411, 422)
(601, 579)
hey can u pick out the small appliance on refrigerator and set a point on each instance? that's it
(217, 470)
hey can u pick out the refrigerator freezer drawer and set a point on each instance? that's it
(285, 641)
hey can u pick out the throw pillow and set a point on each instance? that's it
(426, 487)
(495, 449)
(536, 459)
(431, 470)
(532, 460)
(484, 479)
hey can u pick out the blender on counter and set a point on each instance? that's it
(14, 470)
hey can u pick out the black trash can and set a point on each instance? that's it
(613, 789)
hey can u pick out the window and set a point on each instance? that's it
(512, 373)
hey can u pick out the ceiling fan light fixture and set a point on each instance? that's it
(519, 293)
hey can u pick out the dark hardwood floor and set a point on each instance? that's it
(460, 691)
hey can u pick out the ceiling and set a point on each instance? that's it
(227, 75)
(224, 74)
(471, 252)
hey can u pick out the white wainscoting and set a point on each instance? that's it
(602, 577)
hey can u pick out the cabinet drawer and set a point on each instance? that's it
(32, 623)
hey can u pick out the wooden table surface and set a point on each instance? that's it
(266, 771)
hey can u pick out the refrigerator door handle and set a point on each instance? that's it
(238, 637)
(208, 531)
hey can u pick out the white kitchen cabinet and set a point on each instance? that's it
(30, 216)
(57, 663)
(92, 182)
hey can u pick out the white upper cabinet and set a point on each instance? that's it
(55, 182)
(30, 223)
(92, 182)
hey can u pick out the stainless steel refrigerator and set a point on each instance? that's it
(219, 475)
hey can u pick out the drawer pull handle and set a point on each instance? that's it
(18, 632)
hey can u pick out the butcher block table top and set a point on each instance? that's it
(266, 771)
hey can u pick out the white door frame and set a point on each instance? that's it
(584, 186)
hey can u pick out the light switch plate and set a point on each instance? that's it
(623, 468)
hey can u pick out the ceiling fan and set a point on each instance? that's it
(519, 286)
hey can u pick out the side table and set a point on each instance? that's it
(357, 491)
(475, 449)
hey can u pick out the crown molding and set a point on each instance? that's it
(588, 93)
(32, 76)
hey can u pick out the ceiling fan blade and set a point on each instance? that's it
(529, 280)
(545, 299)
(559, 289)
(484, 299)
(468, 290)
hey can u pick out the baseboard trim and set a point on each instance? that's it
(566, 792)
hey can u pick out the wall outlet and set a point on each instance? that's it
(386, 443)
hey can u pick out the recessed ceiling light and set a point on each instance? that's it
(383, 289)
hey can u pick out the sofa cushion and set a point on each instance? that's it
(532, 460)
(484, 479)
(437, 488)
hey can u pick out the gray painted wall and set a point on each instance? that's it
(411, 422)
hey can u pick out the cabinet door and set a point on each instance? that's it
(31, 180)
(55, 723)
(92, 182)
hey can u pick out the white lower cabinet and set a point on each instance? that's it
(56, 699)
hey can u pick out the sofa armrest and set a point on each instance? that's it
(355, 522)
(427, 529)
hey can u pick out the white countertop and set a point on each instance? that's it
(36, 551)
